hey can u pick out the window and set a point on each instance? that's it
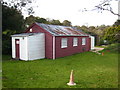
(83, 41)
(64, 43)
(75, 41)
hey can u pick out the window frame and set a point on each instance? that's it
(75, 41)
(83, 41)
(64, 44)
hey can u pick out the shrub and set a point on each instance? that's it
(113, 47)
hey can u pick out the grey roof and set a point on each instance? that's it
(24, 34)
(58, 30)
(79, 30)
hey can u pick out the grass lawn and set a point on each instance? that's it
(90, 71)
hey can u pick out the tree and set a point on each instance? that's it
(55, 22)
(41, 20)
(92, 27)
(12, 22)
(66, 23)
(30, 20)
(12, 19)
(112, 34)
(84, 28)
(116, 23)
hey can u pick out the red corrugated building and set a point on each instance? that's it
(61, 41)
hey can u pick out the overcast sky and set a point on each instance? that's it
(70, 10)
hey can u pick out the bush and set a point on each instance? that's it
(112, 34)
(6, 47)
(113, 47)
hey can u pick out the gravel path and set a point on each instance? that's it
(96, 49)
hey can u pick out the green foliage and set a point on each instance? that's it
(12, 22)
(30, 20)
(55, 22)
(12, 19)
(90, 71)
(6, 47)
(116, 23)
(66, 23)
(101, 42)
(113, 48)
(112, 34)
(41, 20)
(97, 32)
(6, 41)
(85, 28)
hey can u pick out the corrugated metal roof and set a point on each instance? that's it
(58, 30)
(24, 34)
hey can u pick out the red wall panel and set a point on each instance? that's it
(61, 52)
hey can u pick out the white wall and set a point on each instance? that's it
(36, 46)
(92, 42)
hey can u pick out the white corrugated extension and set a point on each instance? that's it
(36, 47)
(31, 46)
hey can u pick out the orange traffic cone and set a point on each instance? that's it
(102, 54)
(71, 82)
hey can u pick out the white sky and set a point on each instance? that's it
(70, 10)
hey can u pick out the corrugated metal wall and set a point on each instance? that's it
(31, 47)
(36, 46)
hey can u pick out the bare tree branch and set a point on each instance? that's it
(105, 5)
(110, 10)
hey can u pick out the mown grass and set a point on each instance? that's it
(90, 71)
